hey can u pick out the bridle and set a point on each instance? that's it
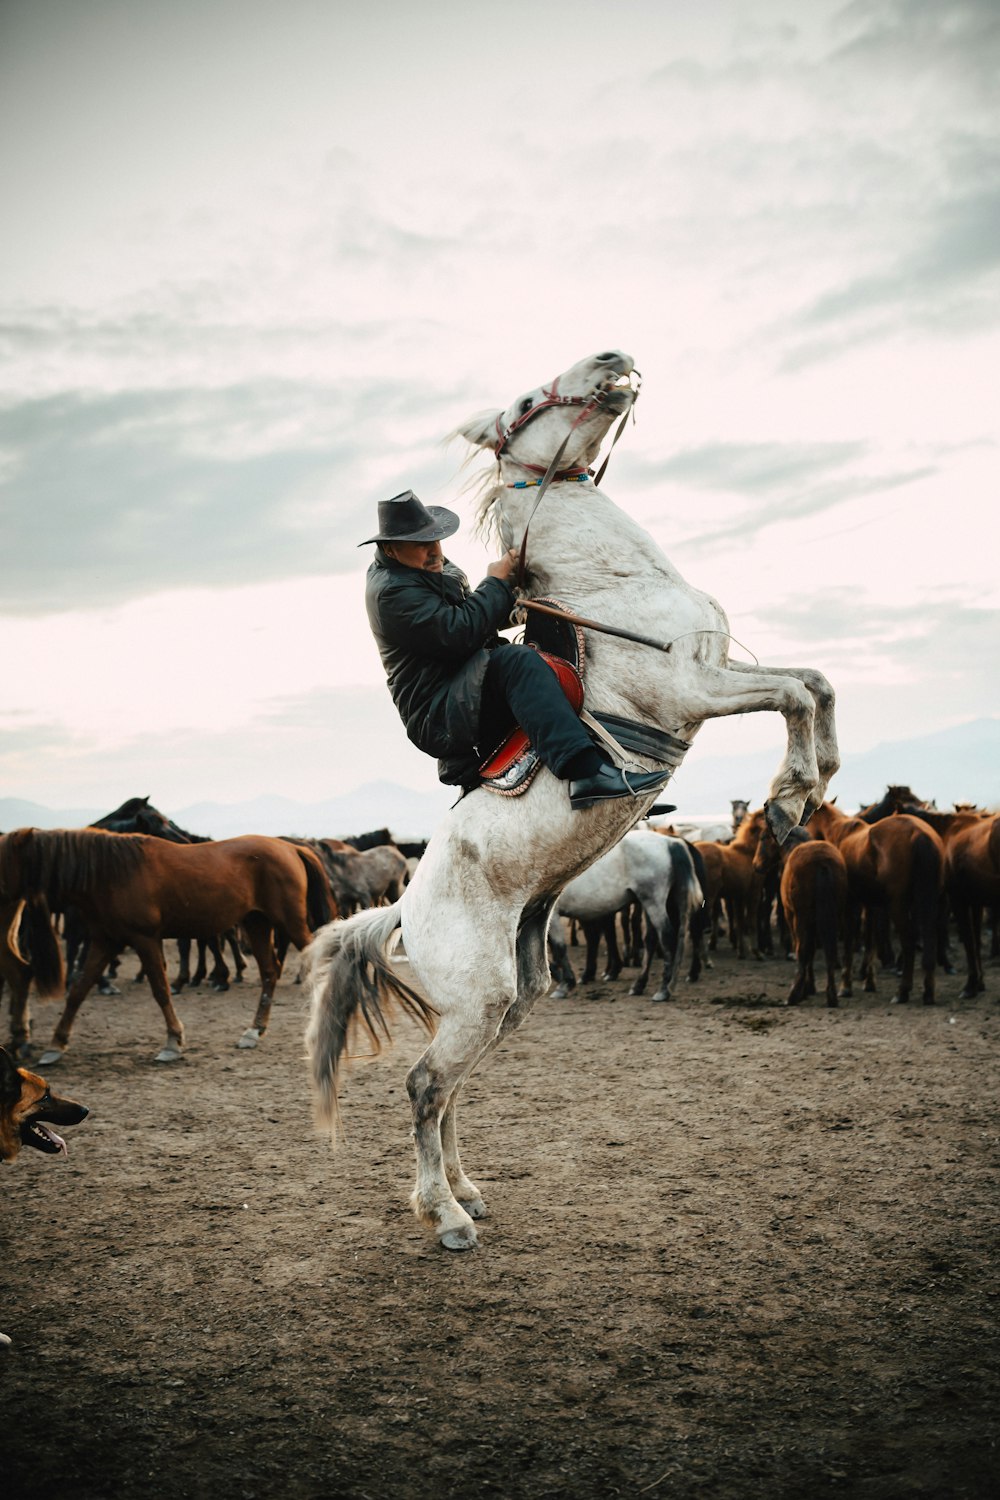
(551, 398)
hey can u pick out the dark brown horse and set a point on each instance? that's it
(138, 890)
(895, 865)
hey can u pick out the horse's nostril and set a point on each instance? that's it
(612, 355)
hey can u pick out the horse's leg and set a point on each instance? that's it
(219, 977)
(260, 936)
(870, 940)
(615, 960)
(201, 968)
(150, 950)
(183, 966)
(18, 975)
(824, 720)
(903, 922)
(592, 939)
(560, 964)
(463, 1036)
(532, 977)
(99, 950)
(739, 689)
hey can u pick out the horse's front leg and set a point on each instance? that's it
(824, 721)
(718, 692)
(99, 951)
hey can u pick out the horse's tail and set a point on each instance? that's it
(352, 985)
(44, 952)
(319, 904)
(825, 896)
(927, 882)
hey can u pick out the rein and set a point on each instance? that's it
(624, 635)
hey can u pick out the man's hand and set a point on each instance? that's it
(504, 567)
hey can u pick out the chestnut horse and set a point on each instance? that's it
(897, 865)
(972, 878)
(812, 890)
(134, 889)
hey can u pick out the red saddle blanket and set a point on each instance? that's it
(511, 768)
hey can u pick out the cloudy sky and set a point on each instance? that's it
(258, 260)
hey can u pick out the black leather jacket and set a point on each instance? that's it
(434, 634)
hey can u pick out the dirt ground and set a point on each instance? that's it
(734, 1250)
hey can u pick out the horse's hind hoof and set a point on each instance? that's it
(50, 1058)
(462, 1238)
(250, 1037)
(168, 1054)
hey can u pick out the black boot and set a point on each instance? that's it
(609, 782)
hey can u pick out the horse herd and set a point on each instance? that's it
(135, 878)
(841, 886)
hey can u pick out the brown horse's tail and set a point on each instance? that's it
(44, 952)
(928, 876)
(352, 985)
(320, 907)
(826, 914)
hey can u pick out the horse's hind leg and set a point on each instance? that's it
(150, 950)
(260, 937)
(432, 1084)
(533, 981)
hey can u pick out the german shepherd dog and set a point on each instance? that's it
(28, 1109)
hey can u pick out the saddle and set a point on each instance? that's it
(513, 765)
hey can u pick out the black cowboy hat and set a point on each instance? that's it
(404, 518)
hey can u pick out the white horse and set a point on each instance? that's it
(475, 915)
(651, 868)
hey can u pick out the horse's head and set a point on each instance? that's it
(582, 403)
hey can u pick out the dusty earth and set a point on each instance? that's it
(734, 1250)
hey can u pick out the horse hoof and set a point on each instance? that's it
(559, 993)
(462, 1238)
(50, 1058)
(662, 996)
(168, 1054)
(474, 1207)
(778, 821)
(250, 1037)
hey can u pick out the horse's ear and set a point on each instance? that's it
(480, 430)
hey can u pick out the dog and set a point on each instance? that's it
(28, 1110)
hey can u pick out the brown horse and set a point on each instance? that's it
(972, 878)
(813, 895)
(895, 865)
(734, 882)
(137, 890)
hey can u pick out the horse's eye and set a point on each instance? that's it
(526, 405)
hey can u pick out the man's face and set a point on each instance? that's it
(426, 556)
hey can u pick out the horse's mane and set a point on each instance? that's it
(63, 862)
(482, 485)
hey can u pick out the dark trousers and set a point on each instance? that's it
(521, 689)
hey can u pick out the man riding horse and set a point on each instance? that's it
(460, 688)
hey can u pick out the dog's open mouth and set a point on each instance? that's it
(34, 1133)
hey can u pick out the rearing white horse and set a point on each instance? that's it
(475, 916)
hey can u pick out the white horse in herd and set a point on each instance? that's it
(474, 918)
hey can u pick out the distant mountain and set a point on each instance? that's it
(952, 765)
(961, 764)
